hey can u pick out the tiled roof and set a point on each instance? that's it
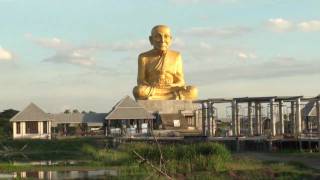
(31, 113)
(309, 109)
(127, 108)
(77, 118)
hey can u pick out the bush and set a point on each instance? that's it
(108, 157)
(202, 156)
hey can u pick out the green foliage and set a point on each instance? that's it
(5, 125)
(202, 156)
(179, 158)
(8, 114)
(107, 156)
(51, 149)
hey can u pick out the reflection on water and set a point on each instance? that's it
(48, 163)
(83, 174)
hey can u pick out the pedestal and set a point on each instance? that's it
(174, 114)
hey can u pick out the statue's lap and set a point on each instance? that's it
(143, 92)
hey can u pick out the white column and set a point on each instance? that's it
(272, 118)
(298, 116)
(260, 119)
(213, 120)
(256, 116)
(49, 129)
(318, 114)
(238, 120)
(14, 129)
(204, 118)
(293, 123)
(209, 118)
(281, 117)
(23, 128)
(40, 128)
(234, 121)
(250, 118)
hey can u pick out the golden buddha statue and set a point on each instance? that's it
(160, 72)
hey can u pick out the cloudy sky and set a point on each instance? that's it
(83, 53)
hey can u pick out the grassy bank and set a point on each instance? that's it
(34, 150)
(185, 161)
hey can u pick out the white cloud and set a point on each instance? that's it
(51, 43)
(66, 52)
(5, 55)
(54, 42)
(217, 32)
(245, 55)
(280, 25)
(74, 57)
(274, 68)
(128, 45)
(309, 26)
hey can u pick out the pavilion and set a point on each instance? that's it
(129, 118)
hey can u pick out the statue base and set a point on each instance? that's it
(174, 114)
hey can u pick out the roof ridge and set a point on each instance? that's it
(29, 107)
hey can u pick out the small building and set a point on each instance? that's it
(78, 124)
(309, 113)
(128, 118)
(32, 123)
(176, 117)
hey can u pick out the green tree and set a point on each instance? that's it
(5, 125)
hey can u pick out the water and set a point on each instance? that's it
(58, 174)
(61, 174)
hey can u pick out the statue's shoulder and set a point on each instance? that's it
(174, 53)
(146, 54)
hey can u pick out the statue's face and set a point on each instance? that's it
(161, 38)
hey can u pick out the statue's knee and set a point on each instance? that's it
(192, 92)
(139, 92)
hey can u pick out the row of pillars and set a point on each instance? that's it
(295, 117)
(208, 121)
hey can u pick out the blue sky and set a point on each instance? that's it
(83, 54)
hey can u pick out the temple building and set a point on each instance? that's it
(129, 118)
(35, 123)
(32, 123)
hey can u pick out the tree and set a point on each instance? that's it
(8, 114)
(5, 125)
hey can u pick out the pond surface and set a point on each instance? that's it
(66, 173)
(61, 174)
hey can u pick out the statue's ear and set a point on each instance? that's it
(170, 42)
(151, 40)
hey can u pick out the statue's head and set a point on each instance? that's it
(160, 37)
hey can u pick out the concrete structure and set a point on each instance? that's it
(209, 117)
(255, 122)
(184, 113)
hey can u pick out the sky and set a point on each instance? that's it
(82, 54)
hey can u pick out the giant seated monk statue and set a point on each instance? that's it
(160, 72)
